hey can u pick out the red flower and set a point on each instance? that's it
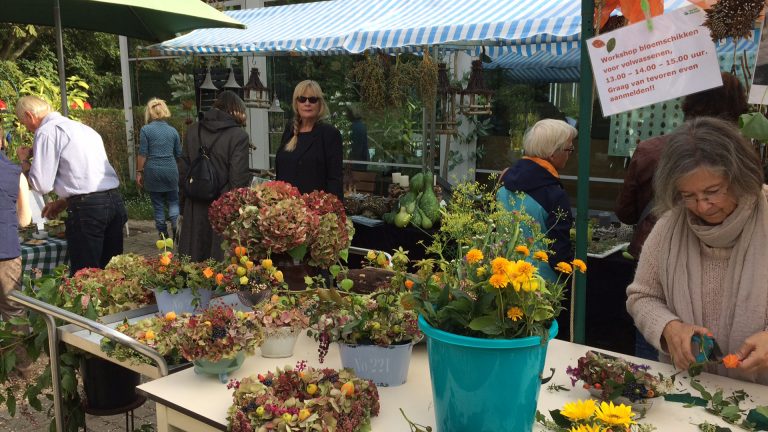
(87, 105)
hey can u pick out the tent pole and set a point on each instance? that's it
(60, 54)
(582, 186)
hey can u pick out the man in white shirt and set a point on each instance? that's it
(70, 160)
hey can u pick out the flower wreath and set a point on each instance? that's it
(300, 399)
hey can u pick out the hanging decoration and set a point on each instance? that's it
(733, 18)
(478, 96)
(231, 81)
(370, 76)
(276, 117)
(256, 94)
(446, 123)
(401, 81)
(426, 79)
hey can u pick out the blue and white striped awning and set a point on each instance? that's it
(353, 26)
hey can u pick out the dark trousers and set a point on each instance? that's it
(94, 229)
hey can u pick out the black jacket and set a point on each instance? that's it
(529, 177)
(315, 163)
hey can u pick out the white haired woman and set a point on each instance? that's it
(533, 185)
(310, 156)
(156, 169)
(702, 269)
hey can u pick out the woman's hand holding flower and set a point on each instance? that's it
(677, 335)
(754, 353)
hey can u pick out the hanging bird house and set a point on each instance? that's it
(256, 94)
(445, 123)
(478, 97)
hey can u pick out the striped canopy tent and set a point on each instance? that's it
(353, 26)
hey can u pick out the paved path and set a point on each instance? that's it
(141, 240)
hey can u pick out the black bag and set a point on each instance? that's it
(202, 182)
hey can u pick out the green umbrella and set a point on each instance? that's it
(151, 20)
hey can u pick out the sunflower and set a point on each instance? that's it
(499, 265)
(588, 428)
(579, 410)
(499, 281)
(541, 256)
(615, 415)
(481, 271)
(474, 256)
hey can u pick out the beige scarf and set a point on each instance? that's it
(745, 291)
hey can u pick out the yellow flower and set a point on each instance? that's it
(499, 280)
(275, 298)
(515, 313)
(149, 335)
(615, 415)
(524, 268)
(371, 255)
(244, 280)
(312, 389)
(481, 271)
(266, 263)
(588, 428)
(564, 267)
(541, 256)
(579, 410)
(303, 414)
(278, 275)
(473, 256)
(579, 265)
(249, 264)
(499, 264)
(522, 249)
(170, 316)
(532, 284)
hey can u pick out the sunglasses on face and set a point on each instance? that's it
(311, 99)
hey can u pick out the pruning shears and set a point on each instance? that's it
(707, 348)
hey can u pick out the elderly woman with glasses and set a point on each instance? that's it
(310, 155)
(533, 185)
(702, 270)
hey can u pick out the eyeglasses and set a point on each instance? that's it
(311, 99)
(570, 149)
(712, 196)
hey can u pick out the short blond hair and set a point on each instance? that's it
(32, 104)
(546, 137)
(156, 110)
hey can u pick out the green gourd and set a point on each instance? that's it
(388, 217)
(402, 218)
(417, 218)
(430, 205)
(417, 183)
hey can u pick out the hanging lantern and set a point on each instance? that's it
(256, 94)
(478, 96)
(445, 123)
(231, 82)
(276, 117)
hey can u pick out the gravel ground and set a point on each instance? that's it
(141, 240)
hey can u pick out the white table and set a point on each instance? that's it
(199, 403)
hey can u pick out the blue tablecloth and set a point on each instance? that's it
(45, 257)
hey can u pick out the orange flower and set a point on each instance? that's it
(498, 265)
(522, 249)
(474, 256)
(409, 284)
(515, 313)
(541, 256)
(165, 260)
(208, 272)
(564, 267)
(348, 389)
(499, 281)
(579, 265)
(170, 316)
(731, 361)
(219, 278)
(240, 251)
(161, 269)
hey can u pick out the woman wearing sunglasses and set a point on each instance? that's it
(310, 154)
(702, 269)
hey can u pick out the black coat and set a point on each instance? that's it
(315, 163)
(229, 153)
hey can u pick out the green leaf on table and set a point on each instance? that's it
(709, 427)
(685, 398)
(759, 417)
(730, 413)
(704, 393)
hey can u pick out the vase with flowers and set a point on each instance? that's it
(620, 381)
(217, 340)
(251, 281)
(180, 285)
(482, 303)
(273, 219)
(589, 415)
(375, 331)
(283, 318)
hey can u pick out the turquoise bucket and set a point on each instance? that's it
(484, 385)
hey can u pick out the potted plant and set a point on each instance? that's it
(180, 285)
(283, 318)
(303, 399)
(251, 281)
(616, 380)
(371, 328)
(217, 340)
(159, 332)
(274, 219)
(482, 302)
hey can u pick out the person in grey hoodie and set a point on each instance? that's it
(220, 129)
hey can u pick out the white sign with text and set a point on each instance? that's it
(635, 67)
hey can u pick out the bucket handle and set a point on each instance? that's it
(549, 378)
